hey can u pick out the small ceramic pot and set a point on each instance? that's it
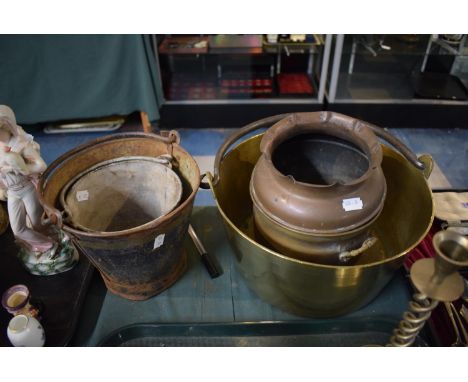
(25, 330)
(16, 300)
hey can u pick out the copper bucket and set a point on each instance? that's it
(307, 288)
(140, 254)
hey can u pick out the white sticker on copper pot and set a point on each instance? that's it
(159, 241)
(82, 196)
(352, 204)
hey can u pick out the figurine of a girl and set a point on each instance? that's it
(44, 250)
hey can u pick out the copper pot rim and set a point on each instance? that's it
(374, 158)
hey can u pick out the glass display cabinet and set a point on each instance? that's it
(400, 79)
(224, 73)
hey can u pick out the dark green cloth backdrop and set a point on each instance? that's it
(55, 77)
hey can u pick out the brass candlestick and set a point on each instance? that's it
(436, 280)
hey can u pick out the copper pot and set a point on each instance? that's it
(318, 187)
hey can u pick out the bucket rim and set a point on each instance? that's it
(108, 163)
(385, 149)
(116, 234)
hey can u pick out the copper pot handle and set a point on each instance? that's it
(344, 257)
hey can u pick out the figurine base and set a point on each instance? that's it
(60, 258)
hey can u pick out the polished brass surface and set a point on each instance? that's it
(414, 319)
(436, 279)
(428, 163)
(457, 325)
(315, 290)
(439, 278)
(446, 287)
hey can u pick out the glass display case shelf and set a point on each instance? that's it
(236, 44)
(223, 69)
(395, 88)
(399, 69)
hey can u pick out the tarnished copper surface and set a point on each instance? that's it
(312, 207)
(310, 289)
(339, 158)
(128, 260)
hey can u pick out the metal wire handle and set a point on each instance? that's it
(326, 115)
(262, 123)
(399, 145)
(414, 319)
(53, 215)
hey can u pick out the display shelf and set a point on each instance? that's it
(234, 44)
(426, 72)
(377, 45)
(294, 47)
(385, 88)
(225, 69)
(184, 45)
(212, 45)
(240, 83)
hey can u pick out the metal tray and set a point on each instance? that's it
(61, 296)
(350, 332)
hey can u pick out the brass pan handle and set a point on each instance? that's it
(399, 145)
(265, 122)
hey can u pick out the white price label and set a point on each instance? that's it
(352, 204)
(82, 195)
(159, 241)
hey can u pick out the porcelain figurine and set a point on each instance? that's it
(44, 249)
(24, 330)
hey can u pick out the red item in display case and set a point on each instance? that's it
(187, 88)
(246, 87)
(294, 83)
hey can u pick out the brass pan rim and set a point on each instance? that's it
(386, 150)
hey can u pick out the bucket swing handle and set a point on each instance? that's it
(423, 162)
(262, 123)
(171, 137)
